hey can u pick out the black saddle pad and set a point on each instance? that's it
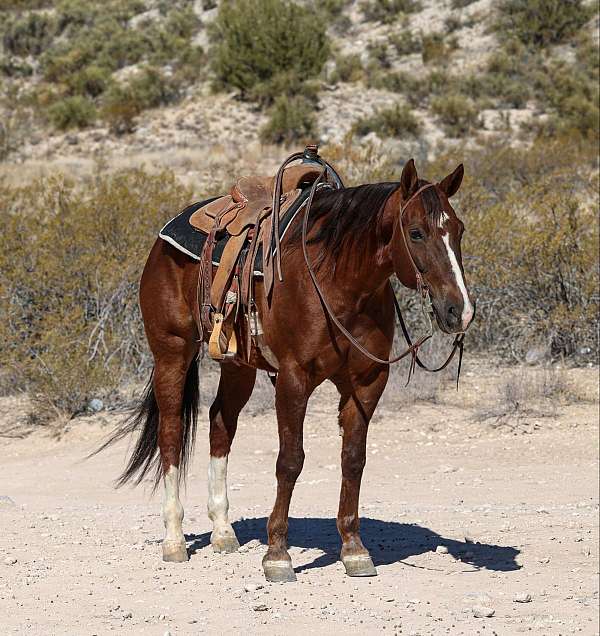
(187, 239)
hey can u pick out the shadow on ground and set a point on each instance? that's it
(387, 541)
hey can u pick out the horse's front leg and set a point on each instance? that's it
(292, 393)
(357, 404)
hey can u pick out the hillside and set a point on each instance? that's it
(138, 81)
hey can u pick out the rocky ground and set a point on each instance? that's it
(477, 526)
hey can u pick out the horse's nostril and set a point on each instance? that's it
(452, 316)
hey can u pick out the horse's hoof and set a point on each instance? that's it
(359, 565)
(174, 552)
(279, 571)
(225, 545)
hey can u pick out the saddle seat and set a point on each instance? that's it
(250, 198)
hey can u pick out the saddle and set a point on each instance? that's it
(249, 218)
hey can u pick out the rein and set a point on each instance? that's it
(422, 288)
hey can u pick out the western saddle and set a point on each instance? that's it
(248, 217)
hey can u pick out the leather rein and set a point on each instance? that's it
(422, 288)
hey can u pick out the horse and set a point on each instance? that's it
(332, 320)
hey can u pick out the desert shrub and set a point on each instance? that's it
(24, 5)
(348, 68)
(461, 4)
(253, 45)
(15, 67)
(397, 121)
(29, 34)
(70, 328)
(530, 249)
(72, 112)
(335, 12)
(539, 23)
(291, 119)
(452, 23)
(378, 55)
(456, 113)
(91, 80)
(406, 42)
(526, 393)
(435, 47)
(387, 11)
(124, 102)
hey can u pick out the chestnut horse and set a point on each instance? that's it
(357, 239)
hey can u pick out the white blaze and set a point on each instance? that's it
(218, 504)
(467, 312)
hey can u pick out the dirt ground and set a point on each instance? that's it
(464, 518)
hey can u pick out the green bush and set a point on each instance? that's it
(387, 11)
(456, 113)
(378, 55)
(406, 42)
(348, 68)
(291, 120)
(24, 5)
(254, 43)
(29, 34)
(91, 80)
(70, 327)
(15, 67)
(72, 112)
(539, 23)
(398, 121)
(124, 102)
(435, 47)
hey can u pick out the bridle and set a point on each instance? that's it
(422, 289)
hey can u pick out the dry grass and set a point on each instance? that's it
(525, 393)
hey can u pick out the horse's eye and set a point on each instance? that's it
(416, 235)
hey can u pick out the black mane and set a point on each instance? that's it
(345, 214)
(349, 211)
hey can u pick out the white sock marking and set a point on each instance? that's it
(467, 312)
(218, 504)
(172, 508)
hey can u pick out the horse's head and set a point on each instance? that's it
(426, 245)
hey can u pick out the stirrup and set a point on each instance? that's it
(217, 338)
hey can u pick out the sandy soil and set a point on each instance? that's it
(462, 519)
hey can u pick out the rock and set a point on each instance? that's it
(535, 355)
(6, 501)
(480, 611)
(441, 549)
(252, 587)
(95, 405)
(260, 608)
(10, 561)
(522, 598)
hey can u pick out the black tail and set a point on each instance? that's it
(145, 458)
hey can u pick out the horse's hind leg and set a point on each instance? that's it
(176, 390)
(235, 388)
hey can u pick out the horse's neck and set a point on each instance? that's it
(363, 265)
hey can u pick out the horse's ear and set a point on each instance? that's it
(451, 183)
(409, 179)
